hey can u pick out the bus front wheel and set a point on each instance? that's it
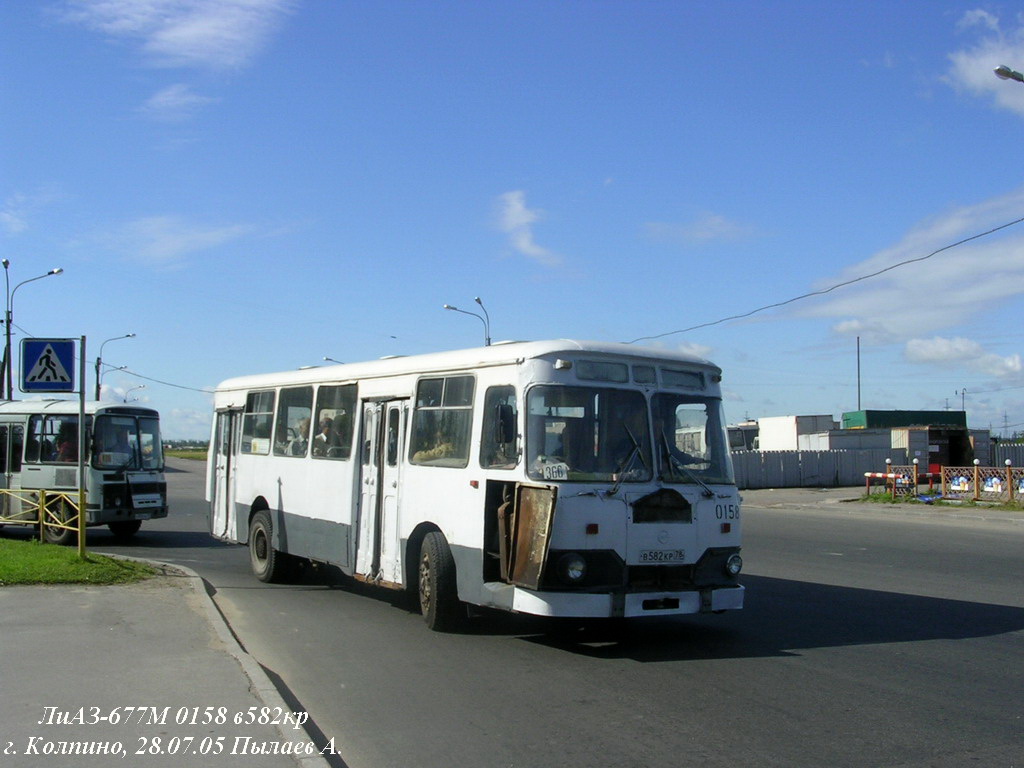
(438, 592)
(267, 563)
(51, 534)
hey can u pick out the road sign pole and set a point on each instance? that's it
(81, 450)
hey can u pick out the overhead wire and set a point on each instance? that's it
(831, 288)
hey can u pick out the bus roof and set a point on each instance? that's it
(501, 353)
(70, 407)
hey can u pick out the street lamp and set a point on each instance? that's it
(332, 360)
(1003, 72)
(8, 364)
(481, 318)
(132, 389)
(99, 359)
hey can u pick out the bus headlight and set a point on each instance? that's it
(734, 565)
(572, 568)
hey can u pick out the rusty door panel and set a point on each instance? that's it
(530, 531)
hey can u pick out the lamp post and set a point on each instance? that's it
(1003, 72)
(332, 360)
(8, 364)
(99, 359)
(486, 321)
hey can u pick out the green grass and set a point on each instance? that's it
(196, 455)
(33, 562)
(883, 497)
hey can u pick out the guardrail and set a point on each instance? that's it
(48, 511)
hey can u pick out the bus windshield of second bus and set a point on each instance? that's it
(127, 442)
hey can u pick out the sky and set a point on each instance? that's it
(254, 185)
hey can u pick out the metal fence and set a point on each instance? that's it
(810, 469)
(1003, 451)
(46, 510)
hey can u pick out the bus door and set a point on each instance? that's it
(12, 440)
(222, 504)
(383, 431)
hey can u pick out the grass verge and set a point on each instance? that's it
(883, 497)
(33, 562)
(183, 454)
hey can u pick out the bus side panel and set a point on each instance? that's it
(445, 497)
(309, 500)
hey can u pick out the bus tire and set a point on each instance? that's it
(268, 565)
(60, 536)
(124, 529)
(438, 591)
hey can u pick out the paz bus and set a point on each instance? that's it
(124, 464)
(554, 478)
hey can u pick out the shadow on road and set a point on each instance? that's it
(783, 617)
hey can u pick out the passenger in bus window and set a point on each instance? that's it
(322, 439)
(297, 447)
(67, 443)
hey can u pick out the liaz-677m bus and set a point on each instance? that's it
(555, 478)
(124, 464)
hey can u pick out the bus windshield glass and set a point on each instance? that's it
(588, 434)
(690, 439)
(127, 442)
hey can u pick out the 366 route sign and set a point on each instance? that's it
(47, 365)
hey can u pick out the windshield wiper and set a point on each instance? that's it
(673, 461)
(625, 465)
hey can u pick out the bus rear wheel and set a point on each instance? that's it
(124, 529)
(438, 590)
(268, 565)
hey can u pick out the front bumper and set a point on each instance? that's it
(608, 605)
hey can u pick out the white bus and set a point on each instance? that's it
(538, 477)
(124, 464)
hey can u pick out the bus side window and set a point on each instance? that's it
(256, 422)
(499, 444)
(442, 422)
(35, 439)
(294, 408)
(333, 421)
(17, 445)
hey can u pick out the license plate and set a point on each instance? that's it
(146, 500)
(662, 555)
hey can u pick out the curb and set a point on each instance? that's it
(259, 682)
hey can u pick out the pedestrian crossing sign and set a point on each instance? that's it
(47, 365)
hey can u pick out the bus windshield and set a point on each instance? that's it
(127, 442)
(587, 434)
(690, 439)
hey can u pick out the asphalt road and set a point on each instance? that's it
(870, 638)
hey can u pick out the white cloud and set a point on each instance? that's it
(167, 240)
(516, 220)
(962, 353)
(707, 227)
(214, 34)
(921, 298)
(972, 67)
(176, 102)
(18, 208)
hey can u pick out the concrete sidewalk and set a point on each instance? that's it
(849, 499)
(147, 672)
